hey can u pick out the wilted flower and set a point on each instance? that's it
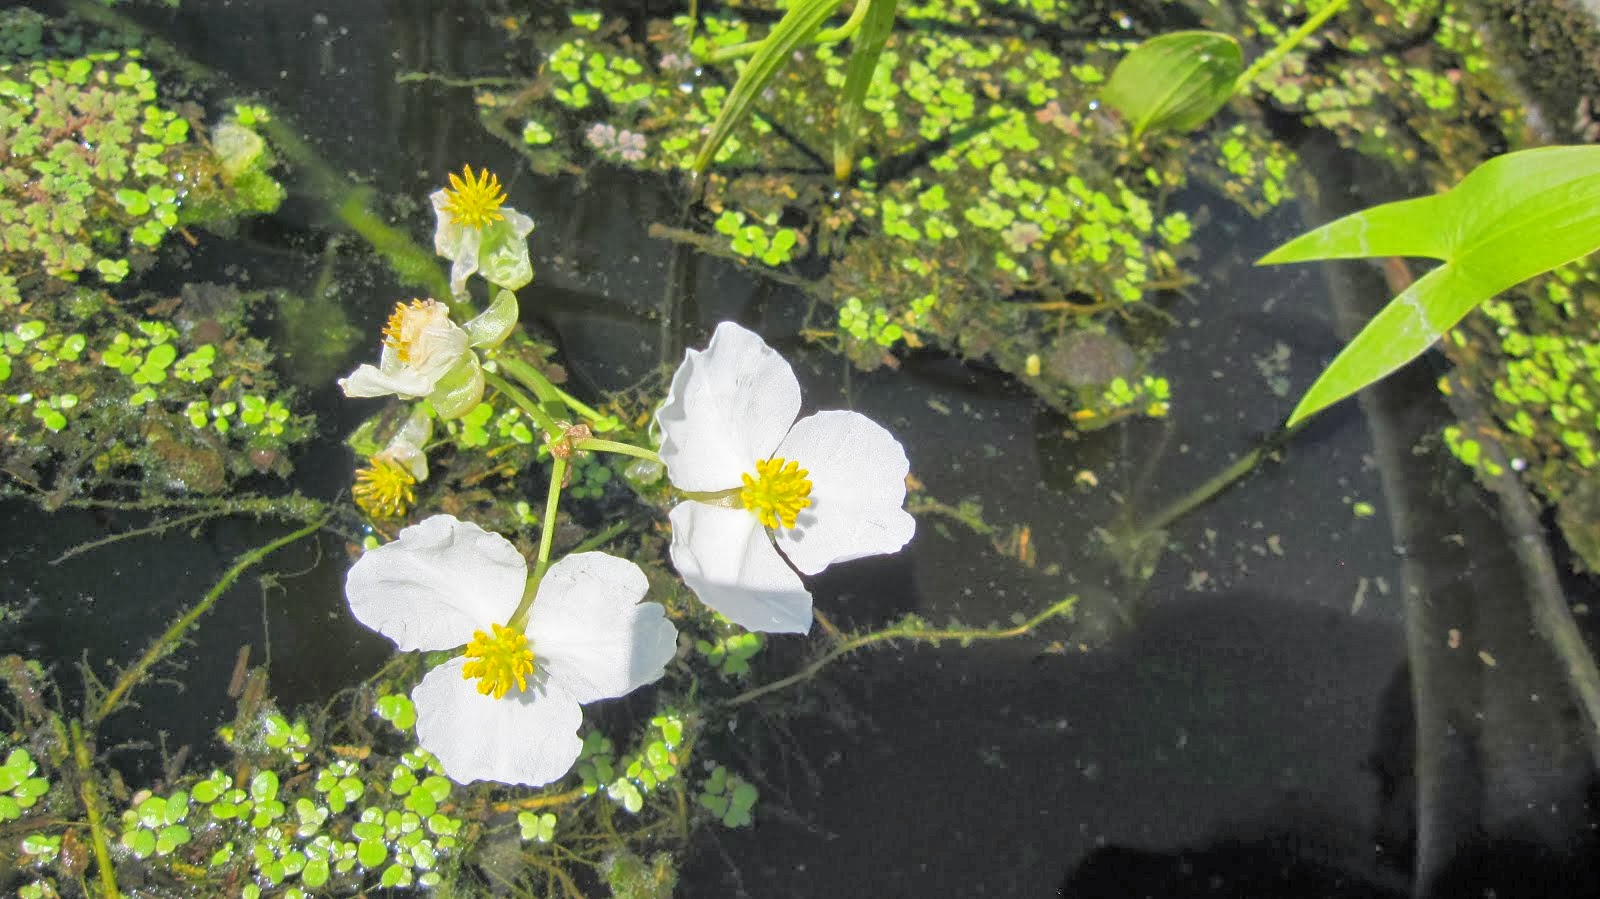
(508, 709)
(829, 487)
(477, 233)
(425, 354)
(384, 487)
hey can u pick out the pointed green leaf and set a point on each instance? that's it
(1174, 82)
(803, 20)
(868, 47)
(1513, 217)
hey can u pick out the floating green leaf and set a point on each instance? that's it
(1175, 82)
(1513, 217)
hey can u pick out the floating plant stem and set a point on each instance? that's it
(168, 641)
(905, 631)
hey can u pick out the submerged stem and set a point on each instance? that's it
(89, 791)
(168, 641)
(1289, 42)
(905, 632)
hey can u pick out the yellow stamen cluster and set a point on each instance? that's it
(498, 662)
(474, 202)
(777, 493)
(405, 322)
(383, 489)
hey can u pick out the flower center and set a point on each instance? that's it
(474, 203)
(406, 324)
(777, 493)
(383, 490)
(498, 662)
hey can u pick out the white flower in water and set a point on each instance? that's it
(508, 710)
(829, 487)
(425, 354)
(478, 233)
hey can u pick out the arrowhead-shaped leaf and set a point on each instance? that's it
(1515, 216)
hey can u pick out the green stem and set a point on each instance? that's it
(532, 378)
(90, 793)
(612, 446)
(1288, 43)
(547, 536)
(168, 641)
(832, 36)
(525, 403)
(965, 635)
(577, 405)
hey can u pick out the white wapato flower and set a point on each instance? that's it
(425, 354)
(508, 710)
(829, 487)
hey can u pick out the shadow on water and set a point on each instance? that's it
(1246, 709)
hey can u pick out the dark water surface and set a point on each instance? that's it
(1252, 692)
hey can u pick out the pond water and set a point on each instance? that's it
(1247, 700)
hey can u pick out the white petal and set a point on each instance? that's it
(858, 491)
(725, 557)
(435, 585)
(464, 262)
(446, 233)
(728, 408)
(525, 737)
(590, 632)
(368, 380)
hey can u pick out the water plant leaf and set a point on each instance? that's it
(1174, 82)
(867, 48)
(1515, 216)
(804, 19)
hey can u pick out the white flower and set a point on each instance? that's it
(425, 354)
(508, 710)
(829, 487)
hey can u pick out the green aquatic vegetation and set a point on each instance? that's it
(731, 653)
(728, 797)
(20, 786)
(98, 169)
(1441, 104)
(1514, 217)
(754, 241)
(199, 415)
(992, 207)
(1535, 351)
